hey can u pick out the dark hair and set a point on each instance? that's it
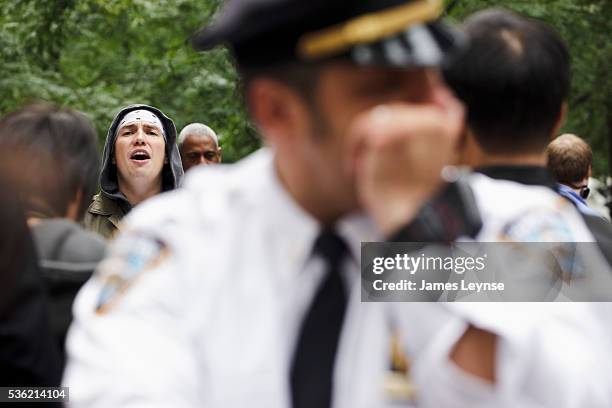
(51, 153)
(514, 77)
(569, 159)
(301, 77)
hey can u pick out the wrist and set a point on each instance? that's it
(392, 213)
(450, 214)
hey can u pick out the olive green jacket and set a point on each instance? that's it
(103, 216)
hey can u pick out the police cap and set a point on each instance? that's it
(371, 32)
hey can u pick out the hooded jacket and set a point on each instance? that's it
(110, 205)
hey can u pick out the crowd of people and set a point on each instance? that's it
(52, 164)
(238, 285)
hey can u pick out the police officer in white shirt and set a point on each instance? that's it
(242, 289)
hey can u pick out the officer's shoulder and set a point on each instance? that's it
(229, 179)
(510, 196)
(511, 210)
(209, 194)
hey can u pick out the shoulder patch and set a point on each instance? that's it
(547, 226)
(130, 255)
(543, 225)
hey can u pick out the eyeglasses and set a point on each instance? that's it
(584, 191)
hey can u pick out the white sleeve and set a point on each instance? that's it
(135, 350)
(548, 355)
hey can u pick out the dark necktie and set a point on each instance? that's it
(313, 361)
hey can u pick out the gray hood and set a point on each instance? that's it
(172, 172)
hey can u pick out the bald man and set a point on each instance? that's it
(198, 145)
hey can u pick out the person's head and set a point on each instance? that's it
(514, 79)
(198, 144)
(570, 161)
(140, 157)
(307, 83)
(140, 148)
(52, 155)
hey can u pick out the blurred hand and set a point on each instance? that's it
(397, 154)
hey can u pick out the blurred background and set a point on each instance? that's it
(99, 55)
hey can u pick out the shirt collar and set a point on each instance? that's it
(524, 174)
(570, 191)
(295, 230)
(357, 228)
(292, 230)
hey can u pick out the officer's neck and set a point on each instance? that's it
(306, 191)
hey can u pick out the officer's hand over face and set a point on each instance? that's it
(398, 152)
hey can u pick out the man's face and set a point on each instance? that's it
(139, 151)
(197, 150)
(343, 92)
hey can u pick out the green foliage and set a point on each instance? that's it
(585, 26)
(100, 55)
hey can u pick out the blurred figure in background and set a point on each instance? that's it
(570, 161)
(140, 160)
(198, 144)
(514, 79)
(28, 355)
(55, 164)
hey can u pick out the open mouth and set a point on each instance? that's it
(140, 155)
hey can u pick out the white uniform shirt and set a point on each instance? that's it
(223, 275)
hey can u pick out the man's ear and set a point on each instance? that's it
(560, 121)
(277, 110)
(219, 149)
